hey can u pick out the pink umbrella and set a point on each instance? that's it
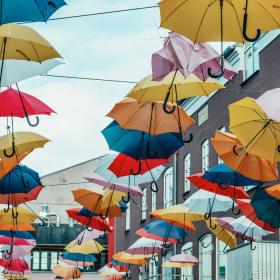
(180, 53)
(183, 258)
(76, 263)
(16, 252)
(87, 235)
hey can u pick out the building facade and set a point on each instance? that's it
(258, 65)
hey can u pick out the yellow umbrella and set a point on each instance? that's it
(16, 216)
(111, 198)
(90, 247)
(259, 134)
(201, 21)
(16, 276)
(23, 43)
(23, 143)
(177, 264)
(131, 259)
(222, 234)
(172, 88)
(179, 215)
(67, 272)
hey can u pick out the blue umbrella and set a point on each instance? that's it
(20, 180)
(223, 174)
(266, 207)
(141, 145)
(17, 234)
(28, 10)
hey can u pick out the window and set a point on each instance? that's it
(153, 264)
(44, 260)
(127, 217)
(168, 187)
(221, 259)
(251, 60)
(167, 271)
(187, 165)
(144, 205)
(36, 261)
(154, 201)
(187, 273)
(205, 257)
(202, 115)
(223, 129)
(205, 155)
(54, 259)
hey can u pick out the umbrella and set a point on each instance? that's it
(144, 233)
(229, 191)
(20, 185)
(90, 223)
(181, 53)
(18, 265)
(18, 234)
(144, 145)
(78, 259)
(274, 191)
(145, 246)
(89, 247)
(110, 271)
(246, 164)
(87, 235)
(67, 272)
(15, 71)
(102, 169)
(16, 228)
(259, 134)
(181, 261)
(267, 207)
(17, 146)
(28, 11)
(131, 259)
(269, 102)
(6, 240)
(173, 88)
(149, 117)
(19, 104)
(249, 212)
(12, 252)
(237, 21)
(114, 211)
(178, 215)
(16, 215)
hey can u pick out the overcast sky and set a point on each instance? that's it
(115, 46)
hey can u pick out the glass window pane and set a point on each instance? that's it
(144, 204)
(154, 200)
(127, 217)
(205, 256)
(205, 155)
(44, 260)
(187, 172)
(54, 258)
(36, 260)
(168, 187)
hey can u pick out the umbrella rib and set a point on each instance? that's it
(269, 13)
(230, 2)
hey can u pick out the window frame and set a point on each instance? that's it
(205, 156)
(144, 205)
(168, 190)
(187, 172)
(127, 217)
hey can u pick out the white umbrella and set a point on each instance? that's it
(15, 71)
(270, 103)
(145, 246)
(87, 235)
(110, 271)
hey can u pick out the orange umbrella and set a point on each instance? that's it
(131, 259)
(274, 191)
(150, 117)
(227, 147)
(66, 272)
(21, 227)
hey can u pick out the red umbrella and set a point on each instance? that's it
(6, 240)
(123, 164)
(18, 265)
(248, 211)
(143, 233)
(18, 198)
(220, 189)
(92, 222)
(19, 104)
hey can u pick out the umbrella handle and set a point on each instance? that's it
(6, 210)
(127, 199)
(207, 216)
(236, 213)
(104, 217)
(244, 237)
(225, 250)
(154, 187)
(253, 248)
(29, 122)
(237, 153)
(79, 241)
(90, 229)
(14, 213)
(222, 71)
(165, 107)
(138, 171)
(244, 29)
(189, 140)
(13, 151)
(166, 245)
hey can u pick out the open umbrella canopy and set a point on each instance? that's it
(114, 211)
(125, 257)
(247, 164)
(149, 117)
(144, 233)
(200, 21)
(274, 191)
(18, 265)
(184, 258)
(149, 90)
(248, 211)
(89, 247)
(13, 252)
(78, 259)
(220, 189)
(177, 264)
(92, 222)
(17, 234)
(66, 272)
(19, 104)
(28, 10)
(88, 235)
(145, 246)
(144, 145)
(123, 164)
(16, 228)
(102, 169)
(110, 271)
(6, 240)
(259, 134)
(267, 207)
(181, 53)
(24, 216)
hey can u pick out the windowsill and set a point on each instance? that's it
(250, 78)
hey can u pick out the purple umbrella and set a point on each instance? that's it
(180, 53)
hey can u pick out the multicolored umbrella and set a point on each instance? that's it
(145, 246)
(131, 259)
(259, 134)
(66, 272)
(143, 233)
(144, 145)
(77, 259)
(28, 11)
(181, 53)
(89, 247)
(13, 252)
(18, 234)
(18, 265)
(88, 235)
(16, 216)
(246, 164)
(110, 271)
(181, 261)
